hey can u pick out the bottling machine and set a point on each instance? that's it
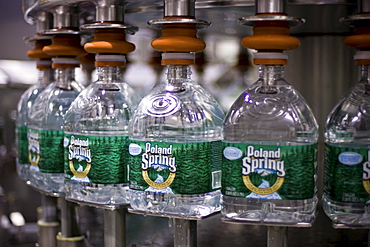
(321, 69)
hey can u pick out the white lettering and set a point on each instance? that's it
(262, 159)
(155, 155)
(79, 149)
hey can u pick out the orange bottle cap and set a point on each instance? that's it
(65, 62)
(362, 58)
(43, 64)
(270, 58)
(110, 60)
(177, 58)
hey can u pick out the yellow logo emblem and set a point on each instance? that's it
(366, 184)
(158, 186)
(263, 191)
(77, 173)
(34, 159)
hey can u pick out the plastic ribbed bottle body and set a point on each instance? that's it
(269, 156)
(175, 138)
(24, 105)
(347, 137)
(96, 136)
(45, 133)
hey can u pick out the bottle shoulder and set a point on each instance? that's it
(349, 120)
(278, 103)
(352, 108)
(25, 103)
(102, 107)
(50, 106)
(96, 95)
(188, 113)
(277, 113)
(29, 96)
(189, 99)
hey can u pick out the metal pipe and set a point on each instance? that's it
(69, 221)
(48, 232)
(69, 236)
(270, 6)
(49, 225)
(115, 227)
(44, 21)
(179, 8)
(276, 236)
(49, 208)
(110, 10)
(65, 16)
(185, 233)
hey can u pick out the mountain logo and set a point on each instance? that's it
(263, 163)
(159, 160)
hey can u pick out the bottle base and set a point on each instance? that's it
(178, 206)
(47, 183)
(98, 195)
(300, 213)
(349, 215)
(23, 170)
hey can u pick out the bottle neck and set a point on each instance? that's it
(46, 76)
(176, 72)
(365, 73)
(177, 76)
(270, 74)
(64, 77)
(109, 74)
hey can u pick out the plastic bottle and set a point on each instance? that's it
(96, 138)
(346, 181)
(45, 76)
(45, 133)
(175, 147)
(228, 87)
(269, 156)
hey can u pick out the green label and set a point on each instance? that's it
(269, 172)
(45, 150)
(347, 174)
(22, 144)
(33, 148)
(96, 159)
(175, 168)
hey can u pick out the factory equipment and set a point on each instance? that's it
(322, 69)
